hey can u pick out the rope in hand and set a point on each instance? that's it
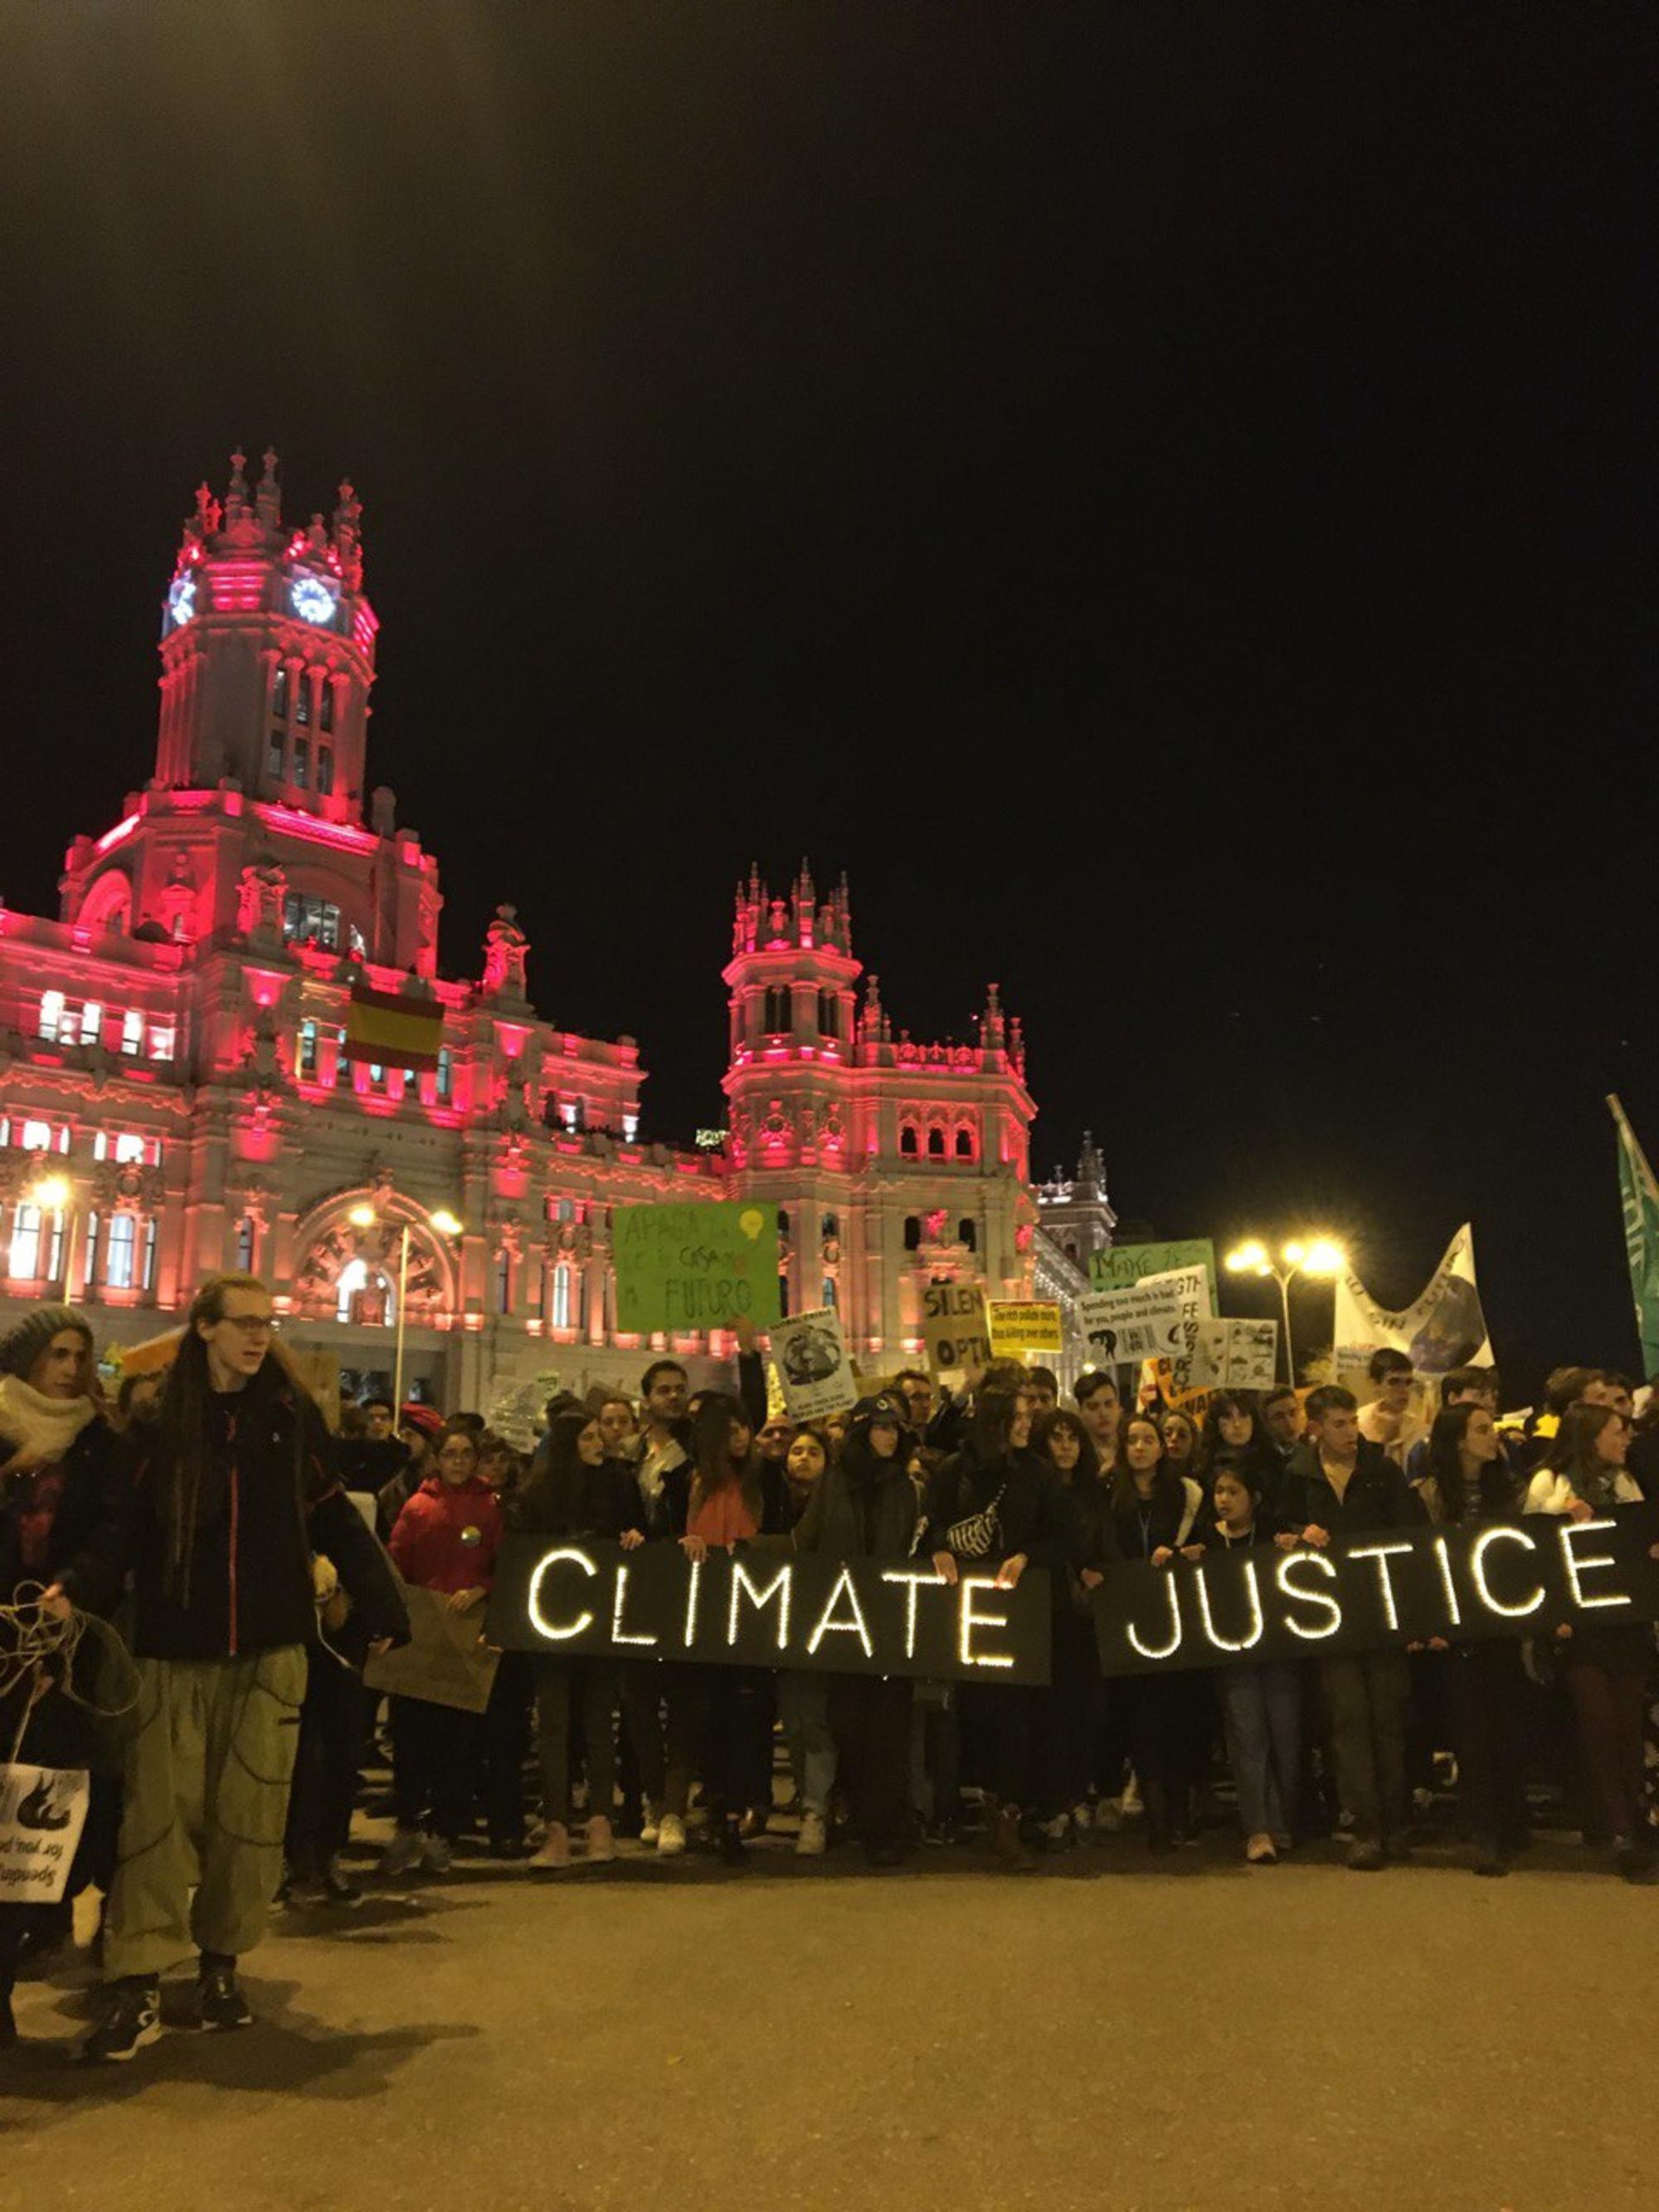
(38, 1653)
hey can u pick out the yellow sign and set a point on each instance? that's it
(1030, 1331)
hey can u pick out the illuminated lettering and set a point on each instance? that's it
(969, 1618)
(916, 1579)
(1286, 1568)
(557, 1633)
(1478, 1550)
(1575, 1566)
(1224, 1642)
(1160, 1651)
(780, 1587)
(693, 1593)
(1454, 1612)
(853, 1627)
(1383, 1553)
(618, 1633)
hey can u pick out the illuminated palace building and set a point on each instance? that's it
(177, 1097)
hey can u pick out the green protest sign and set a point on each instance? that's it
(1128, 1263)
(681, 1269)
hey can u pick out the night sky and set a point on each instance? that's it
(1161, 494)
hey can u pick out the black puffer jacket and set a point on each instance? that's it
(861, 1507)
(1035, 1512)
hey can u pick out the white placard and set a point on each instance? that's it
(43, 1810)
(813, 1367)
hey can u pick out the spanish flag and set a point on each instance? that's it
(392, 1031)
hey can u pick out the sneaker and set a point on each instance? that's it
(131, 2018)
(1059, 1830)
(813, 1838)
(437, 1854)
(601, 1843)
(338, 1888)
(753, 1823)
(651, 1826)
(1129, 1804)
(554, 1857)
(671, 1837)
(401, 1856)
(1260, 1851)
(224, 2005)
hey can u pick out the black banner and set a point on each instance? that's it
(761, 1608)
(1390, 1588)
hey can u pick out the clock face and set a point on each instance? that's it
(313, 600)
(181, 600)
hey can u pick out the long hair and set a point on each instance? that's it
(1451, 1426)
(191, 1484)
(555, 1499)
(1166, 1483)
(1574, 1455)
(713, 1466)
(994, 1415)
(1087, 1470)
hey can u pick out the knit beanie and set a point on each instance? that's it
(413, 1415)
(22, 1344)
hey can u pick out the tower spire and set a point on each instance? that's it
(236, 489)
(268, 499)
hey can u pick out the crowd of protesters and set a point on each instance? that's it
(252, 1561)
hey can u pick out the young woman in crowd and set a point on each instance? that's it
(1072, 1709)
(803, 1699)
(1606, 1668)
(446, 1540)
(618, 1427)
(1468, 1481)
(1179, 1434)
(579, 1495)
(1261, 1704)
(864, 1506)
(1232, 1428)
(996, 1505)
(1151, 1514)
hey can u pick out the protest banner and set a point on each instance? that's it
(1394, 1588)
(1443, 1328)
(1189, 1288)
(43, 1810)
(954, 1329)
(681, 1269)
(1235, 1355)
(446, 1662)
(1141, 1321)
(1115, 1268)
(764, 1608)
(1027, 1331)
(813, 1366)
(1638, 1196)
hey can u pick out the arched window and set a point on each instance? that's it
(936, 1143)
(913, 1232)
(23, 1261)
(964, 1142)
(121, 1251)
(779, 1012)
(968, 1234)
(908, 1146)
(828, 1014)
(830, 1291)
(51, 1015)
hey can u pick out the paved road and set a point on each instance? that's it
(1107, 2033)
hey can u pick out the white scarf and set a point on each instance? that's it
(36, 1429)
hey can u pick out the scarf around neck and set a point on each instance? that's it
(35, 1427)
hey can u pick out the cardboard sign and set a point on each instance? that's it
(954, 1329)
(1141, 1322)
(1235, 1355)
(686, 1268)
(43, 1810)
(1114, 1270)
(813, 1366)
(446, 1663)
(1027, 1331)
(1387, 1588)
(765, 1608)
(1189, 1288)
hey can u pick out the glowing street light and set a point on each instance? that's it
(363, 1216)
(1319, 1255)
(55, 1194)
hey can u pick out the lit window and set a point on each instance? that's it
(89, 1260)
(130, 1149)
(306, 915)
(245, 1245)
(24, 1261)
(829, 1291)
(342, 1064)
(561, 1297)
(37, 1136)
(279, 696)
(364, 1296)
(305, 1062)
(152, 1241)
(92, 1020)
(121, 1252)
(630, 1124)
(132, 1030)
(444, 1083)
(503, 1283)
(163, 1037)
(51, 1015)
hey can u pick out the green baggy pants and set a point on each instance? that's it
(205, 1795)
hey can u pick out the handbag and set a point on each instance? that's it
(979, 1534)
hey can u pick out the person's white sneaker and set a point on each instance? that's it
(601, 1841)
(651, 1826)
(437, 1855)
(554, 1857)
(811, 1840)
(401, 1856)
(671, 1836)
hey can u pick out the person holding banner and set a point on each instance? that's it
(1605, 1669)
(1152, 1514)
(1071, 1709)
(1261, 1705)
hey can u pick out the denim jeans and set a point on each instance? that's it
(804, 1709)
(1261, 1712)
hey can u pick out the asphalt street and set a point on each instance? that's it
(1108, 2032)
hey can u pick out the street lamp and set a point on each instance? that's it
(364, 1217)
(54, 1193)
(1320, 1256)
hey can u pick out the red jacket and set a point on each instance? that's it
(445, 1538)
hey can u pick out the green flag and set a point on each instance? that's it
(1640, 1194)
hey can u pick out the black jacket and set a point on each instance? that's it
(275, 1499)
(1036, 1513)
(1378, 1495)
(83, 1540)
(602, 1506)
(1137, 1528)
(861, 1507)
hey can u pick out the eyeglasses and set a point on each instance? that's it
(250, 1324)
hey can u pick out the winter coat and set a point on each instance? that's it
(447, 1535)
(1035, 1514)
(861, 1507)
(1378, 1495)
(602, 1506)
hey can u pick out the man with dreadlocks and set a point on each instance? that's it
(235, 1493)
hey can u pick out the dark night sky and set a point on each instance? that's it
(1160, 493)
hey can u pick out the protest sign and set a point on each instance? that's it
(813, 1366)
(1025, 1331)
(764, 1608)
(681, 1269)
(43, 1810)
(954, 1327)
(1392, 1587)
(446, 1661)
(1235, 1355)
(1123, 1264)
(1188, 1289)
(1443, 1328)
(1141, 1321)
